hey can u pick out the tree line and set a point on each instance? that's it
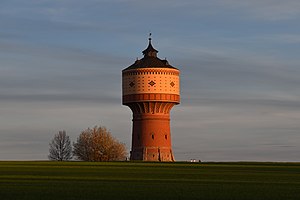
(93, 144)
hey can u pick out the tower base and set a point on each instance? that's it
(159, 154)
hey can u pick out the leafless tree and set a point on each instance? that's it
(60, 147)
(97, 144)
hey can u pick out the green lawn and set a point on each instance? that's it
(128, 180)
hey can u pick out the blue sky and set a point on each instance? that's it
(61, 62)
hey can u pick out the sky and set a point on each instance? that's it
(61, 62)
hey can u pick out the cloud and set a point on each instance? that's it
(255, 9)
(232, 101)
(266, 9)
(282, 38)
(55, 73)
(64, 11)
(235, 131)
(84, 98)
(61, 62)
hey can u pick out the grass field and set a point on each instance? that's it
(127, 180)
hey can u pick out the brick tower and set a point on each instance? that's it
(150, 90)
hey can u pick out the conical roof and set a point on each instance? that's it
(150, 51)
(150, 60)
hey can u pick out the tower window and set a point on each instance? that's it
(166, 137)
(152, 136)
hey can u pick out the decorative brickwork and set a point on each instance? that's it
(152, 83)
(151, 97)
(137, 82)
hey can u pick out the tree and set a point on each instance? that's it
(60, 147)
(97, 144)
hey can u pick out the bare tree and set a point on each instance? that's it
(97, 144)
(60, 147)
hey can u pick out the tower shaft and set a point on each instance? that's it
(151, 135)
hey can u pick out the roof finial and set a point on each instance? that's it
(150, 34)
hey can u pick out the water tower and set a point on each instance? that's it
(151, 87)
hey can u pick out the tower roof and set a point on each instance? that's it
(150, 60)
(150, 51)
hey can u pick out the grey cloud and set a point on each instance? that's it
(275, 38)
(53, 52)
(234, 101)
(64, 10)
(266, 9)
(240, 78)
(248, 102)
(257, 9)
(46, 25)
(51, 73)
(63, 16)
(239, 143)
(8, 36)
(238, 99)
(80, 97)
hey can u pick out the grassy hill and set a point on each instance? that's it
(130, 180)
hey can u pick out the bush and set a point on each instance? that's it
(97, 144)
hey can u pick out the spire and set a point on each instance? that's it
(150, 51)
